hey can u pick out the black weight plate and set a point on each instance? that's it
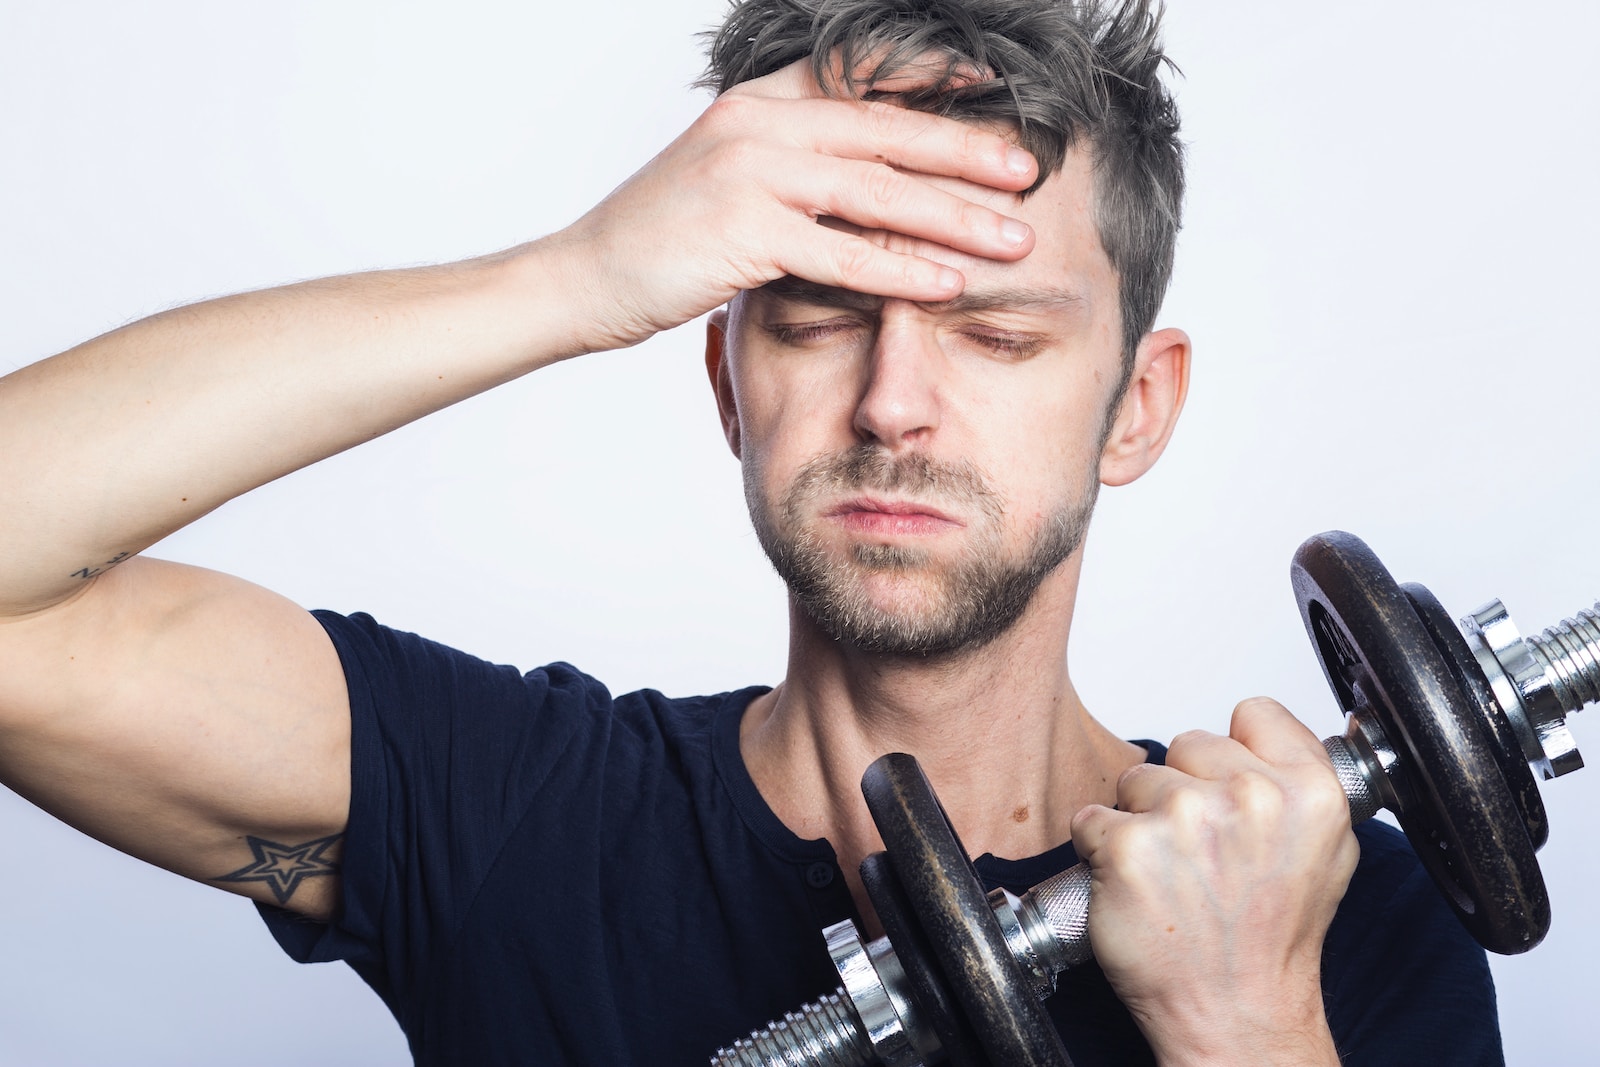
(943, 891)
(1503, 739)
(1454, 803)
(928, 988)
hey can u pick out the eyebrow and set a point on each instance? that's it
(1005, 297)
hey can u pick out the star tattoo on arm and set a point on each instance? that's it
(284, 867)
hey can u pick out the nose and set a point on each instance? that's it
(900, 402)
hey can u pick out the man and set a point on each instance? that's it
(924, 393)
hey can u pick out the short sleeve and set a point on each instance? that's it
(448, 755)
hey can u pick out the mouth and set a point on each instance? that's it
(872, 515)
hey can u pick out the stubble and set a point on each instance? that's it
(956, 605)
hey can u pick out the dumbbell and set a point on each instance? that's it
(1445, 727)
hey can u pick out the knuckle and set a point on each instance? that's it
(1186, 807)
(732, 109)
(1326, 798)
(884, 188)
(1256, 795)
(1132, 775)
(883, 122)
(1085, 817)
(971, 218)
(854, 259)
(1187, 740)
(974, 145)
(912, 273)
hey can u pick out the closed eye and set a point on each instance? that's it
(1016, 346)
(800, 333)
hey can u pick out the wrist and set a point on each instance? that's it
(548, 295)
(1277, 1050)
(578, 293)
(1241, 1032)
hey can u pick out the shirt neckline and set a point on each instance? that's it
(747, 799)
(762, 821)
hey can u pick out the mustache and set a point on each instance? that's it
(871, 467)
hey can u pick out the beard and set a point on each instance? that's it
(964, 604)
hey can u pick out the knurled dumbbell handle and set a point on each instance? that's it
(1061, 903)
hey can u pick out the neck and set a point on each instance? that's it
(999, 730)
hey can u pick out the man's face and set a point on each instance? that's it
(916, 471)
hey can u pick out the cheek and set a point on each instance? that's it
(808, 407)
(1047, 463)
(779, 434)
(1036, 423)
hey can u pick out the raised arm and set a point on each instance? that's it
(201, 722)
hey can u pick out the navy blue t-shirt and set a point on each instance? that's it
(536, 872)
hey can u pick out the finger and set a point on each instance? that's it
(1266, 728)
(1210, 756)
(1093, 828)
(914, 141)
(847, 261)
(883, 132)
(1269, 761)
(875, 197)
(1145, 786)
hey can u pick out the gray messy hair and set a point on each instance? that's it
(1064, 70)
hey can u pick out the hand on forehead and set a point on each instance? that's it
(943, 153)
(918, 144)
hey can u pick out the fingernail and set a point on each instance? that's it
(1013, 232)
(950, 281)
(1018, 162)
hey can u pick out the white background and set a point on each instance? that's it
(1386, 270)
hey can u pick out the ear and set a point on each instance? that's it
(717, 370)
(1150, 408)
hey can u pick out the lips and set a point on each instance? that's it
(872, 515)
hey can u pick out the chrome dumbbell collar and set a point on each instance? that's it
(1521, 683)
(876, 983)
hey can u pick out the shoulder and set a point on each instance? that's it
(1404, 980)
(410, 685)
(1391, 887)
(368, 647)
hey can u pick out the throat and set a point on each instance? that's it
(1010, 784)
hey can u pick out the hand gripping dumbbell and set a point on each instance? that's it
(1445, 727)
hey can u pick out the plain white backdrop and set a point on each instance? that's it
(1386, 270)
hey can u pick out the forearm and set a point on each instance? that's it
(120, 441)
